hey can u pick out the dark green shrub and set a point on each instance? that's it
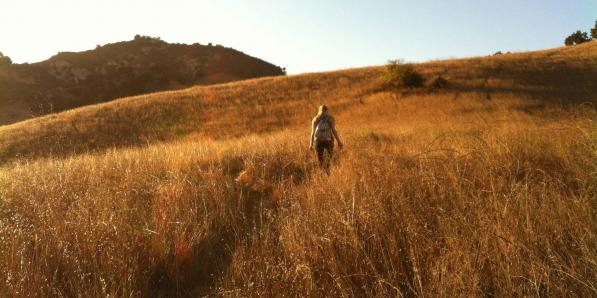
(594, 31)
(577, 37)
(398, 75)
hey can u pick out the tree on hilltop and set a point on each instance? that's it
(146, 38)
(4, 60)
(577, 37)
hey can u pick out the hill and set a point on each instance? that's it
(69, 80)
(484, 188)
(558, 77)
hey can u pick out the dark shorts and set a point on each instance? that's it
(321, 146)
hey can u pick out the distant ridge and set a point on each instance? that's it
(142, 65)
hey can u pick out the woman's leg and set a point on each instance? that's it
(330, 148)
(319, 148)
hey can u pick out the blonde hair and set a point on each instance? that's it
(322, 110)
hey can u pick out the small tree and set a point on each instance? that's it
(594, 31)
(577, 37)
(4, 60)
(399, 75)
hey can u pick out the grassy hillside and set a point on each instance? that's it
(487, 188)
(560, 77)
(69, 80)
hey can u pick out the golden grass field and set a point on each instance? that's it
(487, 188)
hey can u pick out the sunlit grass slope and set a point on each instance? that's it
(487, 188)
(561, 76)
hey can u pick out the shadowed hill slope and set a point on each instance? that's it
(551, 77)
(145, 64)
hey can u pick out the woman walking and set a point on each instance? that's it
(323, 133)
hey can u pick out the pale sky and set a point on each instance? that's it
(303, 36)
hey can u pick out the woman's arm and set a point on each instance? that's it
(336, 135)
(313, 125)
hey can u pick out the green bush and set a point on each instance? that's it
(398, 75)
(577, 37)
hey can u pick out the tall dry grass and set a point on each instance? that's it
(447, 194)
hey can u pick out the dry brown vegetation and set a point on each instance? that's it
(487, 188)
